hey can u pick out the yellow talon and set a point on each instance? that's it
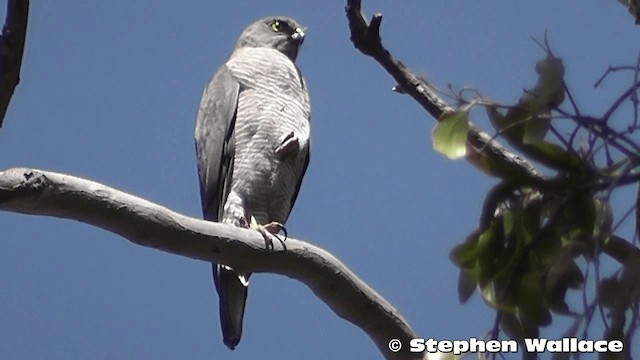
(269, 231)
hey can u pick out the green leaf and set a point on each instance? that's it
(548, 91)
(554, 156)
(466, 285)
(508, 222)
(563, 275)
(488, 252)
(536, 129)
(464, 255)
(532, 310)
(576, 227)
(531, 221)
(511, 125)
(511, 326)
(521, 125)
(489, 295)
(493, 295)
(450, 134)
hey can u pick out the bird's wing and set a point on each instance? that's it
(215, 148)
(306, 155)
(304, 169)
(215, 141)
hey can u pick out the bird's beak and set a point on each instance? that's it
(299, 35)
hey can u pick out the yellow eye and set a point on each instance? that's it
(275, 26)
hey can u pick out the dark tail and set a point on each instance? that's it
(232, 290)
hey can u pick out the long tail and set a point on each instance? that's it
(232, 290)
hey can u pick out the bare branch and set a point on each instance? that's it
(616, 104)
(483, 149)
(142, 222)
(11, 50)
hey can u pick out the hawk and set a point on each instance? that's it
(252, 143)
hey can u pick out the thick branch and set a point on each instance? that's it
(11, 50)
(482, 149)
(144, 223)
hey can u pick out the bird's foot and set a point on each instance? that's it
(269, 232)
(289, 144)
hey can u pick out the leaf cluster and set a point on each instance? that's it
(540, 238)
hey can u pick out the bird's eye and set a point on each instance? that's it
(275, 26)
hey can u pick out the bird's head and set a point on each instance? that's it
(278, 32)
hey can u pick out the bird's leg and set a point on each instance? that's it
(289, 144)
(269, 231)
(234, 212)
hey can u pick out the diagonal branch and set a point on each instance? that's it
(11, 50)
(484, 152)
(142, 222)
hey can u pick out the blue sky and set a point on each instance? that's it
(110, 92)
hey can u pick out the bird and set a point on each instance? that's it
(252, 140)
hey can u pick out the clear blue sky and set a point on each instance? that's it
(110, 92)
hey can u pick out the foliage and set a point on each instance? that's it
(539, 238)
(450, 134)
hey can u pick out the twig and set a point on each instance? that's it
(610, 70)
(616, 104)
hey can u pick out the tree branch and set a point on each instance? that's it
(484, 152)
(11, 50)
(142, 222)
